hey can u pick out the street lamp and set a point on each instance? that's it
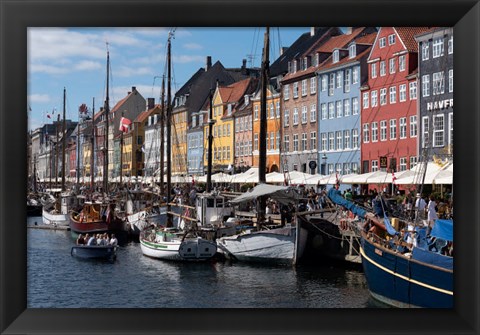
(324, 164)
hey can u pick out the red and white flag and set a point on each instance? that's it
(393, 177)
(83, 109)
(124, 123)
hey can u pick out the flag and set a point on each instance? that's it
(124, 123)
(48, 115)
(393, 177)
(83, 109)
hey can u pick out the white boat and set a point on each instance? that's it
(172, 244)
(57, 212)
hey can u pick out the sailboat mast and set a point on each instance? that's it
(64, 138)
(92, 153)
(262, 164)
(162, 138)
(56, 149)
(106, 112)
(121, 156)
(211, 121)
(169, 130)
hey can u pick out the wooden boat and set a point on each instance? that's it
(406, 268)
(105, 252)
(175, 245)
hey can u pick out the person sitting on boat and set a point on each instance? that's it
(101, 240)
(92, 240)
(80, 240)
(113, 240)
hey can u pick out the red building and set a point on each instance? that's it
(389, 120)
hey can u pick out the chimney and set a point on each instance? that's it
(348, 30)
(208, 64)
(244, 66)
(312, 31)
(151, 103)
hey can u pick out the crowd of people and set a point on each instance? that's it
(97, 239)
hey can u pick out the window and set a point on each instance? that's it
(272, 141)
(355, 142)
(295, 142)
(286, 143)
(277, 140)
(374, 132)
(374, 70)
(346, 168)
(324, 142)
(255, 112)
(393, 94)
(403, 92)
(413, 90)
(403, 163)
(438, 47)
(304, 141)
(450, 80)
(331, 110)
(339, 140)
(304, 87)
(383, 130)
(324, 82)
(438, 83)
(425, 131)
(346, 81)
(295, 116)
(401, 63)
(277, 109)
(335, 56)
(313, 140)
(382, 68)
(403, 127)
(382, 42)
(304, 114)
(346, 107)
(330, 169)
(355, 75)
(438, 130)
(255, 142)
(425, 51)
(339, 109)
(355, 106)
(392, 65)
(346, 135)
(413, 126)
(294, 66)
(331, 141)
(305, 63)
(426, 85)
(339, 79)
(365, 100)
(295, 90)
(324, 111)
(313, 113)
(391, 39)
(450, 132)
(450, 45)
(393, 129)
(383, 96)
(272, 111)
(331, 83)
(413, 162)
(374, 165)
(352, 51)
(374, 98)
(313, 85)
(366, 133)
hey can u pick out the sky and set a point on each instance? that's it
(75, 59)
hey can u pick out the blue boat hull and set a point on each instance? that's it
(402, 282)
(94, 252)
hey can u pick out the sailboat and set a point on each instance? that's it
(56, 211)
(100, 216)
(173, 243)
(280, 245)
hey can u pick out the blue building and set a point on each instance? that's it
(340, 77)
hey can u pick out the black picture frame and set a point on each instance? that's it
(16, 16)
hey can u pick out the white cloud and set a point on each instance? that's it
(39, 98)
(49, 69)
(87, 65)
(188, 59)
(193, 46)
(125, 71)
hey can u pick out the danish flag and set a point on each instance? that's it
(124, 123)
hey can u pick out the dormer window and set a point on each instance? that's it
(229, 109)
(352, 50)
(294, 66)
(317, 59)
(247, 99)
(382, 42)
(391, 39)
(305, 64)
(336, 55)
(194, 121)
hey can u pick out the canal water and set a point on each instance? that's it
(55, 279)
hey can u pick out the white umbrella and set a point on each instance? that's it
(275, 177)
(415, 177)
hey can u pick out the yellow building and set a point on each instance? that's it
(179, 128)
(225, 101)
(273, 129)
